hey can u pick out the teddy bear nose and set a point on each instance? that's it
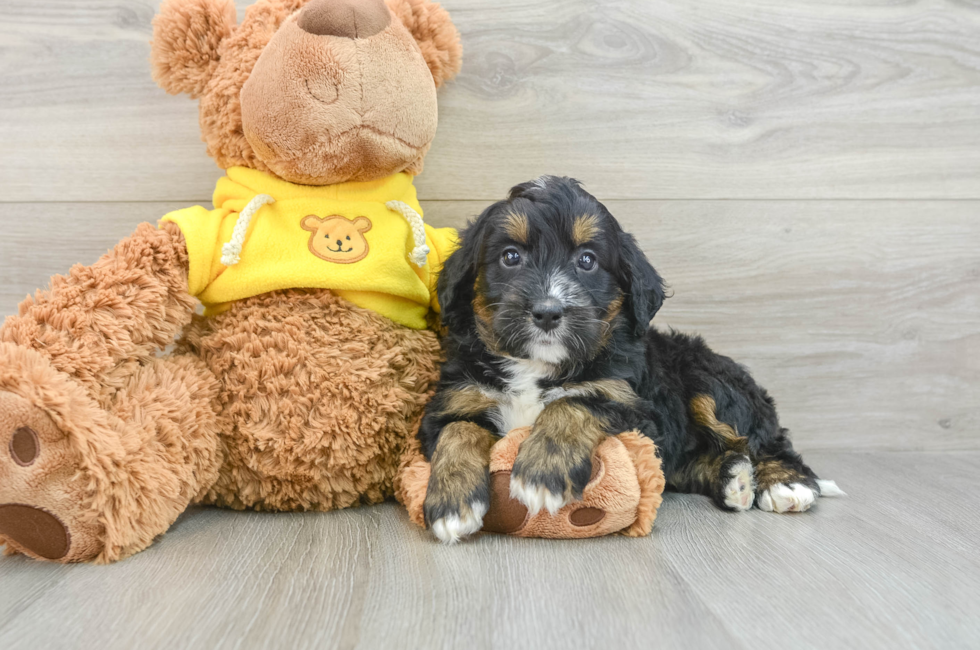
(345, 18)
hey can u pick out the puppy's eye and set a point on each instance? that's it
(511, 257)
(587, 261)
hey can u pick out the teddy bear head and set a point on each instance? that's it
(316, 92)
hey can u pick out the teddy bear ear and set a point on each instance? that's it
(311, 222)
(363, 224)
(186, 35)
(435, 33)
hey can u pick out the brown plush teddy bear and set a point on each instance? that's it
(301, 386)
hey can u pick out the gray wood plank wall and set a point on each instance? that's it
(666, 99)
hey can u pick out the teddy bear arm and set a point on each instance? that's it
(129, 304)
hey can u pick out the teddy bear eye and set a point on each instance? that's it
(348, 237)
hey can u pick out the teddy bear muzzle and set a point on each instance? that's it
(344, 18)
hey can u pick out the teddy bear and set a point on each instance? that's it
(302, 382)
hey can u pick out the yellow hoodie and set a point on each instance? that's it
(340, 237)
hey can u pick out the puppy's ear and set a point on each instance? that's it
(435, 33)
(186, 35)
(642, 284)
(458, 276)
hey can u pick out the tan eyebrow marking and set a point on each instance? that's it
(516, 226)
(585, 229)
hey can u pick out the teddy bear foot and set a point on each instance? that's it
(40, 507)
(622, 496)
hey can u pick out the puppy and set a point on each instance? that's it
(547, 305)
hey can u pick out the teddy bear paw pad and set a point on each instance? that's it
(36, 473)
(35, 530)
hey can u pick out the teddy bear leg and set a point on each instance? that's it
(80, 481)
(102, 443)
(128, 305)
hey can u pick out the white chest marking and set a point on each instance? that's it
(523, 401)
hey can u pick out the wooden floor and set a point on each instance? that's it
(894, 565)
(806, 176)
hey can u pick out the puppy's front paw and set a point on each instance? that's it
(453, 527)
(455, 511)
(545, 476)
(535, 496)
(786, 498)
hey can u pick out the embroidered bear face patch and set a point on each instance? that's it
(338, 239)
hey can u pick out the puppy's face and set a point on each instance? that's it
(548, 275)
(547, 289)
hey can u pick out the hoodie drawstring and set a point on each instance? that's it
(420, 254)
(231, 252)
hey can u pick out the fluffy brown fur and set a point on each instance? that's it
(320, 398)
(650, 476)
(186, 40)
(434, 32)
(118, 476)
(127, 305)
(293, 400)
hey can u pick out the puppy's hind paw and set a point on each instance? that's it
(738, 485)
(786, 498)
(535, 497)
(454, 527)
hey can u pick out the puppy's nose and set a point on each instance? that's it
(547, 315)
(346, 18)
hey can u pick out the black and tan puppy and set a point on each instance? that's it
(548, 306)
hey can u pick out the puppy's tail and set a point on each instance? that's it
(829, 488)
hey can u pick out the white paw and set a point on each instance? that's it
(830, 489)
(787, 498)
(740, 490)
(452, 528)
(536, 497)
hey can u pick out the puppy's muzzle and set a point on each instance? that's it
(547, 314)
